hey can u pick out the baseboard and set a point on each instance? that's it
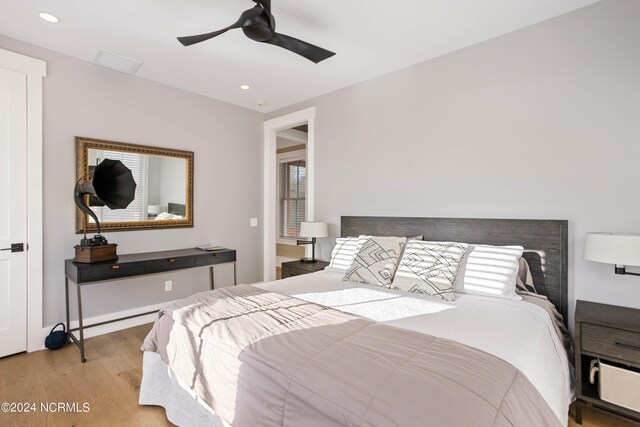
(110, 327)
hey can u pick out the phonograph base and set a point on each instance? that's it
(91, 254)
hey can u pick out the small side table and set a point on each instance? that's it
(610, 333)
(296, 268)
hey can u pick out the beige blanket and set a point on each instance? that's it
(259, 358)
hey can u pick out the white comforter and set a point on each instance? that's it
(515, 331)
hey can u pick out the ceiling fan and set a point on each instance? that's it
(259, 24)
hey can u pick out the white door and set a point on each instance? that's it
(13, 211)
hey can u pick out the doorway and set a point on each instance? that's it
(270, 192)
(291, 170)
(13, 215)
(21, 200)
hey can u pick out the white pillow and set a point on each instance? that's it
(376, 260)
(343, 253)
(429, 268)
(164, 216)
(490, 271)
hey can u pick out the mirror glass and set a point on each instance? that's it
(163, 186)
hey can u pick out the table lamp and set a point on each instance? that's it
(154, 210)
(620, 249)
(312, 230)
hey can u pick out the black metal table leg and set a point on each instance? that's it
(80, 326)
(235, 278)
(66, 299)
(211, 278)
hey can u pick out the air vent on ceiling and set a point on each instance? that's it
(117, 62)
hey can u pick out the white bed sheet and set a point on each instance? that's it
(515, 331)
(518, 332)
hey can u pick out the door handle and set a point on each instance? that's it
(15, 247)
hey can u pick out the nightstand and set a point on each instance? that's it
(296, 268)
(608, 333)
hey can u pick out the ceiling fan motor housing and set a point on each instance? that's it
(258, 25)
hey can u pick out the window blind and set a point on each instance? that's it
(137, 210)
(292, 192)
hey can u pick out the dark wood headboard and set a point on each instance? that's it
(544, 242)
(177, 209)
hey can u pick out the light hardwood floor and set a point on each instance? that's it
(109, 382)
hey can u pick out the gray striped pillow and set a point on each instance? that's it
(343, 253)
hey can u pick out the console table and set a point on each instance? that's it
(131, 265)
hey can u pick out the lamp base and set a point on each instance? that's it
(91, 254)
(308, 260)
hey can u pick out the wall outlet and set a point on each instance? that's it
(168, 285)
(253, 222)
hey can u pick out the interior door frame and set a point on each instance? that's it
(269, 209)
(35, 70)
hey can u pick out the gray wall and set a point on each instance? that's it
(85, 100)
(540, 123)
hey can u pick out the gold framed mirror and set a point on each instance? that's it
(164, 191)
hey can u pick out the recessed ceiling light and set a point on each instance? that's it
(245, 87)
(49, 17)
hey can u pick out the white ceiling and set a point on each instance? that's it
(290, 137)
(370, 38)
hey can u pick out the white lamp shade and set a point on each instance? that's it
(313, 229)
(613, 248)
(154, 209)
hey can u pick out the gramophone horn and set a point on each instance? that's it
(112, 184)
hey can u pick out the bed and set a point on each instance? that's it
(474, 360)
(174, 211)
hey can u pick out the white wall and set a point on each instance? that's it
(155, 180)
(82, 99)
(540, 123)
(172, 188)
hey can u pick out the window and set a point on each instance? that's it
(292, 186)
(137, 210)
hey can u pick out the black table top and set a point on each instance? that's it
(148, 256)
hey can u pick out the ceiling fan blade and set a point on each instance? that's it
(247, 19)
(244, 20)
(311, 52)
(189, 40)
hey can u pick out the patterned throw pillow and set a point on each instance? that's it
(430, 268)
(376, 260)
